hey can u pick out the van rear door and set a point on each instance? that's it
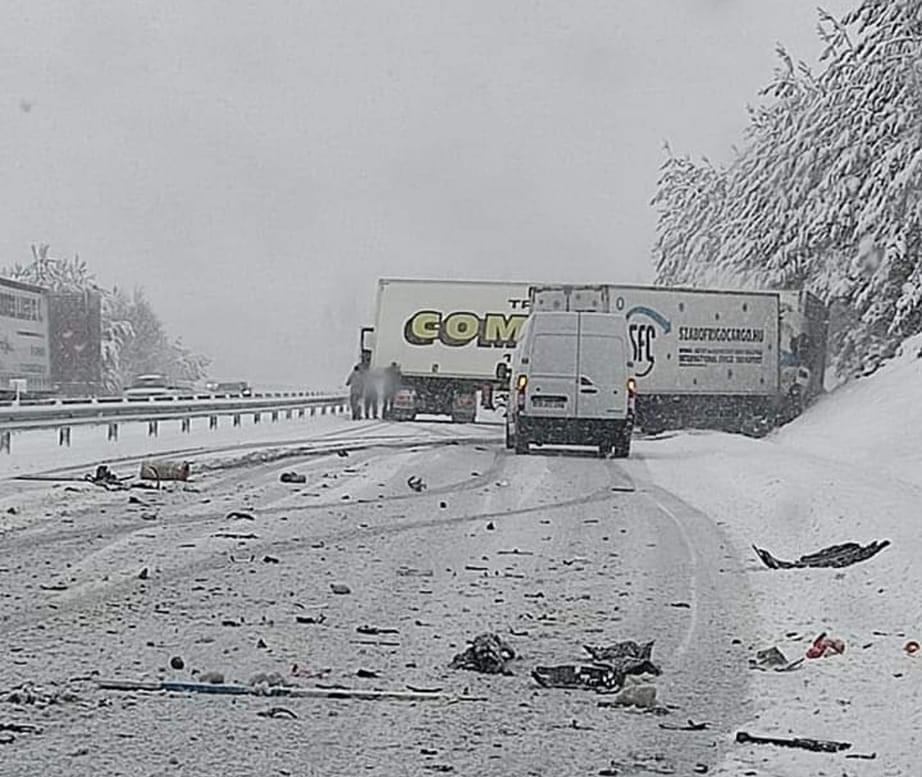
(552, 363)
(602, 367)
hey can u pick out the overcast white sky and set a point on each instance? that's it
(256, 166)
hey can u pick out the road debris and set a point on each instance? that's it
(816, 745)
(416, 483)
(836, 556)
(211, 678)
(229, 535)
(373, 630)
(287, 691)
(292, 477)
(236, 515)
(911, 648)
(825, 645)
(773, 658)
(342, 453)
(21, 728)
(144, 574)
(626, 649)
(165, 470)
(176, 662)
(28, 694)
(689, 726)
(277, 712)
(105, 478)
(603, 679)
(340, 589)
(487, 653)
(310, 620)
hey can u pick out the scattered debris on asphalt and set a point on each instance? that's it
(773, 658)
(211, 678)
(373, 630)
(682, 605)
(367, 674)
(597, 678)
(816, 745)
(176, 662)
(310, 620)
(105, 478)
(836, 556)
(277, 712)
(165, 470)
(28, 694)
(21, 728)
(236, 515)
(862, 756)
(292, 477)
(689, 726)
(342, 453)
(229, 535)
(340, 588)
(487, 653)
(287, 691)
(911, 648)
(144, 574)
(491, 526)
(416, 483)
(825, 645)
(626, 649)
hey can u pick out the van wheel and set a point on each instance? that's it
(521, 444)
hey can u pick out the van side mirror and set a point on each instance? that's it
(503, 373)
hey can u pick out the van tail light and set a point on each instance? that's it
(631, 388)
(521, 383)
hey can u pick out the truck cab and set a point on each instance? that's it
(572, 383)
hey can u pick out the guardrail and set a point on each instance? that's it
(63, 414)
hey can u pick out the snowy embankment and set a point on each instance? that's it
(849, 470)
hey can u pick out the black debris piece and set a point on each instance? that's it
(816, 745)
(277, 712)
(416, 483)
(340, 588)
(626, 649)
(690, 726)
(176, 662)
(292, 477)
(236, 515)
(487, 653)
(310, 620)
(835, 556)
(342, 453)
(374, 630)
(605, 679)
(104, 477)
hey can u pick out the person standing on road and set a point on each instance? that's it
(371, 395)
(392, 380)
(356, 384)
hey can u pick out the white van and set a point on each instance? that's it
(571, 383)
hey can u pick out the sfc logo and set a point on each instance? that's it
(643, 323)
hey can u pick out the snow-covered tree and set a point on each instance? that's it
(134, 340)
(825, 190)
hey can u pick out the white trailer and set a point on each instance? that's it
(449, 338)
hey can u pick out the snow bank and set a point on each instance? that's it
(849, 470)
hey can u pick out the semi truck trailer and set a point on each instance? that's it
(708, 358)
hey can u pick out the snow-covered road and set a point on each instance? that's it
(579, 553)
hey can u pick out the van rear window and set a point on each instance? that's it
(553, 354)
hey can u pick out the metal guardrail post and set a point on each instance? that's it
(275, 416)
(300, 412)
(288, 414)
(113, 432)
(257, 417)
(5, 438)
(185, 425)
(236, 419)
(212, 422)
(153, 428)
(64, 436)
